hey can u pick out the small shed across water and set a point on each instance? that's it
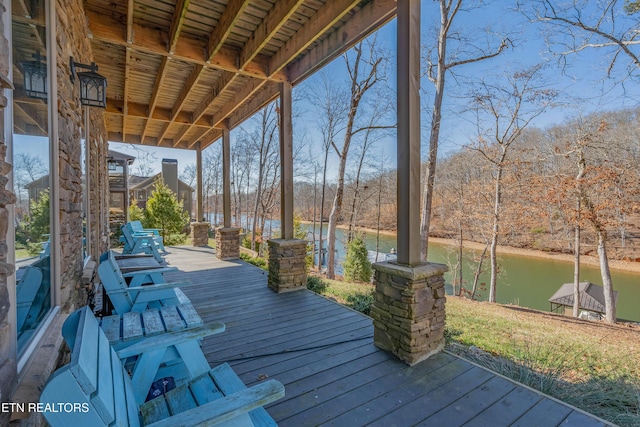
(591, 299)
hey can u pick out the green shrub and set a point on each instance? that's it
(357, 267)
(258, 262)
(360, 302)
(316, 284)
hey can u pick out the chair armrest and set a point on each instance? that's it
(170, 338)
(149, 288)
(149, 271)
(228, 407)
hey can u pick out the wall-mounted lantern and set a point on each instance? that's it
(93, 86)
(34, 75)
(112, 165)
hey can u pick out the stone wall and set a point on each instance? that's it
(287, 265)
(72, 41)
(8, 370)
(409, 310)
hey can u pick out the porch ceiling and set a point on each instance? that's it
(179, 71)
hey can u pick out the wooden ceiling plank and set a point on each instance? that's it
(181, 133)
(368, 19)
(227, 21)
(273, 22)
(188, 49)
(38, 119)
(115, 107)
(314, 28)
(176, 24)
(163, 132)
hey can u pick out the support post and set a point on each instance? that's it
(199, 228)
(409, 302)
(287, 256)
(227, 237)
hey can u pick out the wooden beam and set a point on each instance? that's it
(209, 138)
(286, 162)
(226, 177)
(408, 83)
(179, 14)
(188, 49)
(227, 21)
(37, 118)
(116, 107)
(267, 94)
(181, 133)
(164, 65)
(314, 28)
(270, 25)
(129, 35)
(372, 16)
(240, 97)
(125, 94)
(194, 77)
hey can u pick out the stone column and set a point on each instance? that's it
(8, 369)
(200, 233)
(228, 243)
(409, 310)
(287, 264)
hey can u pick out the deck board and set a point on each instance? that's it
(324, 355)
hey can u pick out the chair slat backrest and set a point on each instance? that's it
(94, 380)
(113, 282)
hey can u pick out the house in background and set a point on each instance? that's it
(118, 167)
(141, 187)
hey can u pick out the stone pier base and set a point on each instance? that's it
(287, 268)
(408, 311)
(228, 243)
(200, 233)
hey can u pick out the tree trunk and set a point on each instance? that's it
(478, 271)
(607, 284)
(494, 233)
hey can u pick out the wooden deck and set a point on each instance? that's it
(324, 355)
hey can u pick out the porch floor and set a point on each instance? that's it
(324, 355)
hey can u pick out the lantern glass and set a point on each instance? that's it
(35, 79)
(93, 89)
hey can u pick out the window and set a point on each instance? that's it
(142, 195)
(32, 160)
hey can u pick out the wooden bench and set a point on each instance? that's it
(135, 244)
(95, 390)
(155, 343)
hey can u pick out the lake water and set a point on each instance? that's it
(524, 281)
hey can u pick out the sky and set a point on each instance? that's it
(582, 82)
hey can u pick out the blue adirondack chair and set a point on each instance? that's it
(126, 298)
(154, 344)
(139, 244)
(139, 230)
(97, 383)
(138, 277)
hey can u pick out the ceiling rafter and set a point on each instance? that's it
(311, 31)
(188, 49)
(125, 94)
(221, 85)
(273, 22)
(162, 71)
(194, 77)
(129, 36)
(176, 24)
(227, 21)
(116, 107)
(372, 15)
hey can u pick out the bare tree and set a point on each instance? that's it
(580, 25)
(437, 66)
(503, 112)
(365, 70)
